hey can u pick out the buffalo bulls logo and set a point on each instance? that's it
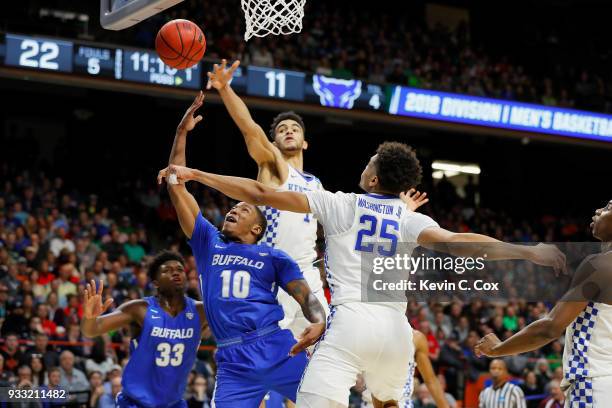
(336, 93)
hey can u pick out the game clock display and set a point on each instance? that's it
(146, 66)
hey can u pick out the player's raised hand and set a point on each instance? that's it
(485, 346)
(309, 336)
(189, 120)
(221, 75)
(175, 174)
(93, 301)
(414, 199)
(549, 255)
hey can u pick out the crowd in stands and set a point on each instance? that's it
(54, 239)
(382, 47)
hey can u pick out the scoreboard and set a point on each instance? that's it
(126, 64)
(143, 66)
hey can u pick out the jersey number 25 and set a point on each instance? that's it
(387, 232)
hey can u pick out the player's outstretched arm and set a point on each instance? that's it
(242, 189)
(94, 324)
(421, 357)
(187, 208)
(313, 311)
(478, 245)
(536, 335)
(187, 124)
(258, 145)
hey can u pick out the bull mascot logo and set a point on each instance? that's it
(336, 93)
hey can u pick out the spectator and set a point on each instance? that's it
(13, 357)
(99, 360)
(39, 372)
(96, 389)
(502, 393)
(423, 398)
(197, 396)
(41, 350)
(86, 251)
(73, 379)
(48, 326)
(432, 342)
(75, 338)
(108, 399)
(452, 361)
(556, 397)
(4, 375)
(543, 372)
(61, 242)
(531, 389)
(114, 248)
(54, 378)
(66, 286)
(135, 252)
(24, 377)
(452, 402)
(510, 321)
(555, 356)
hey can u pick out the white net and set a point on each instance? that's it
(278, 17)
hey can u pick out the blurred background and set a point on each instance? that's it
(80, 151)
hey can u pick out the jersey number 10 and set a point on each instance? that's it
(237, 284)
(384, 233)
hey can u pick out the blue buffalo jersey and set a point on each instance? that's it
(162, 356)
(239, 282)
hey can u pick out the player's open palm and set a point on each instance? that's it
(93, 305)
(189, 120)
(309, 336)
(414, 199)
(221, 75)
(550, 255)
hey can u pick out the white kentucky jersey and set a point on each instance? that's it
(295, 233)
(588, 344)
(361, 223)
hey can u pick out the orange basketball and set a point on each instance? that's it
(180, 44)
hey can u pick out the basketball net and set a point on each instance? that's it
(276, 17)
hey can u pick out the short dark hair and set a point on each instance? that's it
(57, 369)
(397, 167)
(160, 259)
(262, 221)
(284, 116)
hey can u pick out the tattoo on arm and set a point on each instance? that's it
(311, 307)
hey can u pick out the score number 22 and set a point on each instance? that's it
(31, 49)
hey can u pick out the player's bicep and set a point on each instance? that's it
(186, 207)
(564, 313)
(286, 201)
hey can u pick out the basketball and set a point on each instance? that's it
(180, 44)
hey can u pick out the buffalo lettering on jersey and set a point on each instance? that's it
(237, 260)
(166, 333)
